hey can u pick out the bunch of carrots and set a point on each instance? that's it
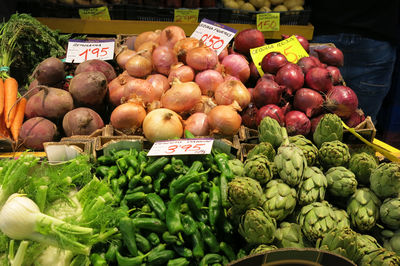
(12, 105)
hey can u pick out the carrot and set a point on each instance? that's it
(18, 119)
(1, 96)
(10, 97)
(4, 132)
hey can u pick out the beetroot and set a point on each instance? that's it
(97, 65)
(297, 123)
(308, 101)
(272, 111)
(318, 78)
(49, 72)
(88, 88)
(291, 76)
(81, 121)
(36, 131)
(266, 92)
(50, 103)
(331, 56)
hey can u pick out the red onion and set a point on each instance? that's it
(297, 123)
(171, 35)
(181, 97)
(128, 117)
(266, 92)
(183, 46)
(139, 66)
(249, 116)
(318, 78)
(208, 81)
(163, 58)
(291, 76)
(224, 120)
(355, 118)
(247, 39)
(237, 66)
(139, 89)
(197, 124)
(303, 41)
(308, 101)
(230, 91)
(331, 56)
(160, 84)
(181, 72)
(201, 58)
(223, 53)
(254, 74)
(273, 111)
(147, 36)
(162, 124)
(342, 101)
(306, 63)
(335, 74)
(272, 62)
(315, 121)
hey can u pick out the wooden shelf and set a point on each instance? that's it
(114, 27)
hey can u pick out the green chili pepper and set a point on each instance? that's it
(151, 224)
(195, 205)
(119, 154)
(135, 180)
(105, 160)
(142, 243)
(189, 135)
(225, 261)
(209, 237)
(214, 205)
(156, 166)
(204, 197)
(223, 186)
(195, 167)
(142, 214)
(148, 188)
(122, 165)
(146, 180)
(173, 217)
(158, 182)
(130, 172)
(115, 186)
(157, 205)
(221, 160)
(169, 170)
(194, 187)
(136, 189)
(102, 171)
(164, 192)
(132, 162)
(178, 262)
(171, 239)
(122, 180)
(135, 197)
(111, 251)
(228, 251)
(125, 261)
(189, 225)
(127, 229)
(160, 257)
(153, 239)
(227, 227)
(178, 166)
(180, 184)
(113, 172)
(146, 208)
(183, 251)
(184, 208)
(142, 159)
(241, 254)
(198, 245)
(210, 259)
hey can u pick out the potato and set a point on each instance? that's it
(292, 3)
(280, 8)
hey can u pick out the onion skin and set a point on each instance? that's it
(204, 106)
(171, 35)
(163, 58)
(124, 56)
(248, 39)
(266, 92)
(291, 76)
(297, 123)
(273, 111)
(249, 116)
(146, 49)
(208, 81)
(334, 72)
(342, 101)
(315, 121)
(223, 53)
(181, 72)
(182, 46)
(306, 63)
(237, 66)
(140, 90)
(201, 58)
(308, 101)
(224, 120)
(230, 91)
(116, 88)
(147, 36)
(197, 124)
(355, 118)
(160, 84)
(162, 124)
(272, 62)
(254, 74)
(319, 79)
(139, 66)
(331, 56)
(181, 97)
(128, 117)
(303, 41)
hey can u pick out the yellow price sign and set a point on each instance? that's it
(290, 47)
(95, 13)
(186, 15)
(268, 21)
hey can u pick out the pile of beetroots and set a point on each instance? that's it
(164, 82)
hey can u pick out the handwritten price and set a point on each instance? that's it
(96, 52)
(267, 25)
(186, 147)
(212, 41)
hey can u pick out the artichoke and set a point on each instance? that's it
(237, 167)
(342, 218)
(259, 168)
(257, 227)
(379, 257)
(262, 248)
(333, 153)
(310, 151)
(362, 164)
(313, 186)
(390, 212)
(244, 193)
(329, 128)
(341, 181)
(264, 148)
(365, 244)
(363, 148)
(342, 241)
(316, 219)
(289, 235)
(270, 131)
(391, 240)
(363, 209)
(280, 199)
(385, 180)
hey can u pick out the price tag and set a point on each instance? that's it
(95, 13)
(181, 147)
(268, 21)
(214, 35)
(186, 15)
(79, 51)
(290, 47)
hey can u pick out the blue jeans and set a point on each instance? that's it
(368, 68)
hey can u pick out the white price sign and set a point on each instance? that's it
(181, 147)
(79, 50)
(214, 35)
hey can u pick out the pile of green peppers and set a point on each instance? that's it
(177, 209)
